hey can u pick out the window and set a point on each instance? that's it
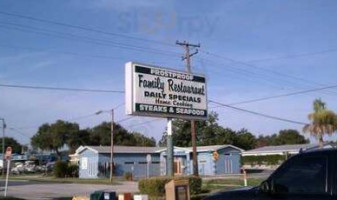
(304, 175)
(142, 163)
(155, 162)
(84, 163)
(129, 163)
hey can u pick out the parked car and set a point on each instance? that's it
(309, 175)
(18, 168)
(27, 167)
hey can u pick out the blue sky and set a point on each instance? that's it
(262, 34)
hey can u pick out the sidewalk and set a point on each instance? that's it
(50, 191)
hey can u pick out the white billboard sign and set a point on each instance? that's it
(161, 92)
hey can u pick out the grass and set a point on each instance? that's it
(50, 179)
(227, 184)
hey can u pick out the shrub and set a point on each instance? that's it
(72, 171)
(267, 160)
(127, 176)
(60, 169)
(195, 184)
(155, 187)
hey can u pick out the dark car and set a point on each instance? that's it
(309, 175)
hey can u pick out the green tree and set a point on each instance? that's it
(11, 142)
(209, 132)
(290, 136)
(245, 140)
(54, 136)
(205, 131)
(78, 138)
(322, 122)
(101, 134)
(287, 136)
(141, 140)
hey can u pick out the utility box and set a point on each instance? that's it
(140, 197)
(177, 190)
(125, 196)
(102, 195)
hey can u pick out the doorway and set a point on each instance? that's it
(177, 167)
(228, 164)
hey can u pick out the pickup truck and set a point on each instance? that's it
(310, 175)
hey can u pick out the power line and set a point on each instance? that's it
(146, 122)
(61, 88)
(85, 116)
(266, 70)
(82, 28)
(244, 74)
(258, 114)
(125, 119)
(262, 69)
(82, 117)
(60, 52)
(294, 55)
(119, 106)
(282, 95)
(74, 37)
(69, 53)
(19, 132)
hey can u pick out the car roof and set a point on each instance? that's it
(319, 151)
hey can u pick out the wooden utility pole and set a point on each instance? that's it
(112, 145)
(187, 57)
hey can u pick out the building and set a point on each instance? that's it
(74, 158)
(213, 160)
(282, 149)
(270, 157)
(94, 161)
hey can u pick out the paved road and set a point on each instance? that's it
(33, 190)
(38, 190)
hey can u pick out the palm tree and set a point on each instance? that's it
(323, 121)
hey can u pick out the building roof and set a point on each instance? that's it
(135, 149)
(213, 148)
(122, 149)
(206, 148)
(295, 148)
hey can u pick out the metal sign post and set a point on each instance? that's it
(8, 156)
(148, 161)
(169, 153)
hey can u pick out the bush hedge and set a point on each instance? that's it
(72, 171)
(263, 160)
(62, 170)
(155, 186)
(127, 176)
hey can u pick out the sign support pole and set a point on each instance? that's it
(193, 127)
(7, 176)
(3, 144)
(148, 162)
(7, 156)
(169, 153)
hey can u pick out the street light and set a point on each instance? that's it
(111, 140)
(99, 112)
